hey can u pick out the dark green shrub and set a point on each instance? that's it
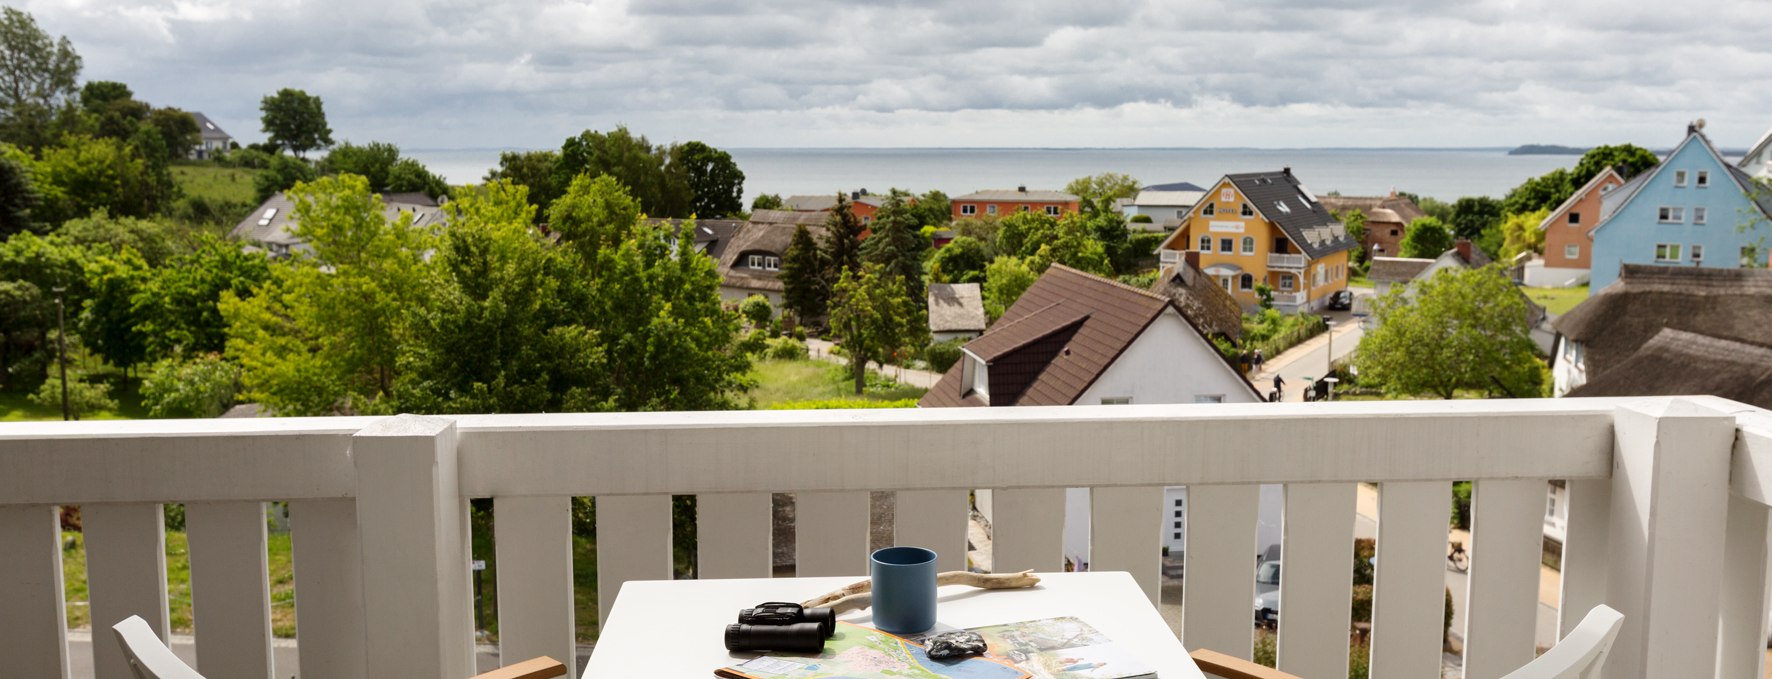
(943, 355)
(1362, 610)
(1140, 219)
(785, 349)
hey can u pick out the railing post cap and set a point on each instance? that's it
(1678, 407)
(407, 425)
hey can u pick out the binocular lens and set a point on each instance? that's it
(800, 637)
(767, 615)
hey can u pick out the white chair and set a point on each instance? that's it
(1577, 656)
(151, 659)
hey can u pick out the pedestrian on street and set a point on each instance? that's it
(1279, 387)
(1258, 359)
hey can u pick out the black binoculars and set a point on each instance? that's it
(781, 626)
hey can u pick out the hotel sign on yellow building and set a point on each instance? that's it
(1265, 227)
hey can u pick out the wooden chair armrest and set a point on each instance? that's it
(1230, 667)
(534, 668)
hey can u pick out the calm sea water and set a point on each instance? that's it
(1441, 173)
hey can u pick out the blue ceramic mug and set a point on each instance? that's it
(904, 589)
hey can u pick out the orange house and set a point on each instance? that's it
(1002, 203)
(1568, 239)
(1265, 227)
(861, 204)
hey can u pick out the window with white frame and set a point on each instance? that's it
(968, 209)
(1205, 244)
(772, 263)
(1671, 215)
(1285, 282)
(1248, 245)
(1697, 253)
(1703, 179)
(1667, 252)
(1246, 282)
(1024, 208)
(1226, 245)
(1052, 210)
(754, 261)
(1227, 195)
(1699, 214)
(1248, 211)
(1209, 210)
(1571, 251)
(1225, 282)
(1680, 178)
(990, 209)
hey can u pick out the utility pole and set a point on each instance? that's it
(61, 345)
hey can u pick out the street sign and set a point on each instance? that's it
(479, 564)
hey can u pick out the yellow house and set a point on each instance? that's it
(1264, 227)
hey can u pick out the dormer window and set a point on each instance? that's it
(763, 262)
(976, 376)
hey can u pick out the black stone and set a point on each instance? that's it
(957, 644)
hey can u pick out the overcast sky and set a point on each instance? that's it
(1054, 73)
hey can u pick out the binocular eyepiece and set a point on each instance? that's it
(781, 626)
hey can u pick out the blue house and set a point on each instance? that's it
(1687, 211)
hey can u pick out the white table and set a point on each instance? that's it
(672, 628)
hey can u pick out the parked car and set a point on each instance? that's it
(1267, 594)
(1341, 300)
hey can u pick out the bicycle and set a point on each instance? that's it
(1459, 560)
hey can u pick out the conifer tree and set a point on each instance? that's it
(805, 289)
(842, 244)
(897, 247)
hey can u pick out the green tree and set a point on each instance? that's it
(37, 74)
(873, 319)
(767, 201)
(1099, 192)
(1108, 228)
(962, 260)
(177, 129)
(1520, 234)
(804, 282)
(634, 162)
(283, 173)
(715, 182)
(157, 242)
(1474, 216)
(111, 110)
(933, 208)
(201, 386)
(1461, 330)
(18, 197)
(1355, 221)
(897, 246)
(533, 170)
(1043, 240)
(756, 310)
(842, 242)
(109, 319)
(411, 176)
(84, 174)
(1543, 192)
(178, 307)
(31, 268)
(84, 398)
(295, 120)
(1426, 238)
(373, 161)
(1004, 281)
(97, 95)
(1630, 159)
(1754, 224)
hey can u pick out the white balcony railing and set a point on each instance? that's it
(1668, 520)
(1290, 298)
(1279, 261)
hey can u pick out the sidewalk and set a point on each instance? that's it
(821, 350)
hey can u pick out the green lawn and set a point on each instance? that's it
(1360, 282)
(16, 406)
(232, 184)
(1557, 300)
(797, 383)
(178, 577)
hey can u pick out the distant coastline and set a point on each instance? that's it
(1546, 150)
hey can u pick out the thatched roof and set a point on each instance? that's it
(1201, 300)
(956, 307)
(1680, 363)
(767, 238)
(1724, 304)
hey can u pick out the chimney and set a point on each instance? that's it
(1022, 188)
(1464, 249)
(855, 195)
(1287, 170)
(1192, 257)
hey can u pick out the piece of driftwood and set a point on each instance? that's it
(858, 595)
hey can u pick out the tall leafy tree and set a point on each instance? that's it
(962, 260)
(767, 201)
(805, 289)
(283, 173)
(373, 161)
(1520, 234)
(411, 176)
(1099, 192)
(295, 120)
(1355, 221)
(1005, 278)
(533, 170)
(177, 129)
(18, 197)
(842, 240)
(1630, 159)
(177, 308)
(634, 162)
(715, 182)
(933, 208)
(85, 174)
(37, 75)
(874, 319)
(897, 246)
(156, 241)
(1426, 238)
(1463, 330)
(1042, 240)
(109, 320)
(31, 268)
(1474, 215)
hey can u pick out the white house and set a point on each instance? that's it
(1078, 339)
(1758, 161)
(211, 138)
(1166, 205)
(956, 311)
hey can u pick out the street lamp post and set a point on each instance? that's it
(61, 347)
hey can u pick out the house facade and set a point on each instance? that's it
(1387, 219)
(1005, 202)
(271, 227)
(1166, 205)
(211, 138)
(1568, 243)
(1758, 161)
(1265, 227)
(750, 261)
(862, 204)
(1685, 211)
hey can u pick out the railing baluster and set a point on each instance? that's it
(1409, 583)
(1586, 558)
(329, 614)
(125, 576)
(1741, 640)
(230, 588)
(1315, 585)
(831, 533)
(732, 537)
(1126, 527)
(1219, 569)
(935, 519)
(633, 543)
(533, 537)
(1027, 529)
(1507, 544)
(34, 629)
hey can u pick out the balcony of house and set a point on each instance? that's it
(1668, 522)
(1282, 261)
(1290, 301)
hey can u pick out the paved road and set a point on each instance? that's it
(821, 350)
(1310, 359)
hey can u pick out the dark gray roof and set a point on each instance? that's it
(789, 217)
(1177, 186)
(711, 235)
(1012, 195)
(273, 222)
(1280, 198)
(1397, 269)
(207, 128)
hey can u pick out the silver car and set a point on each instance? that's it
(1267, 593)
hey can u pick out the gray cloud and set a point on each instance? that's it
(456, 73)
